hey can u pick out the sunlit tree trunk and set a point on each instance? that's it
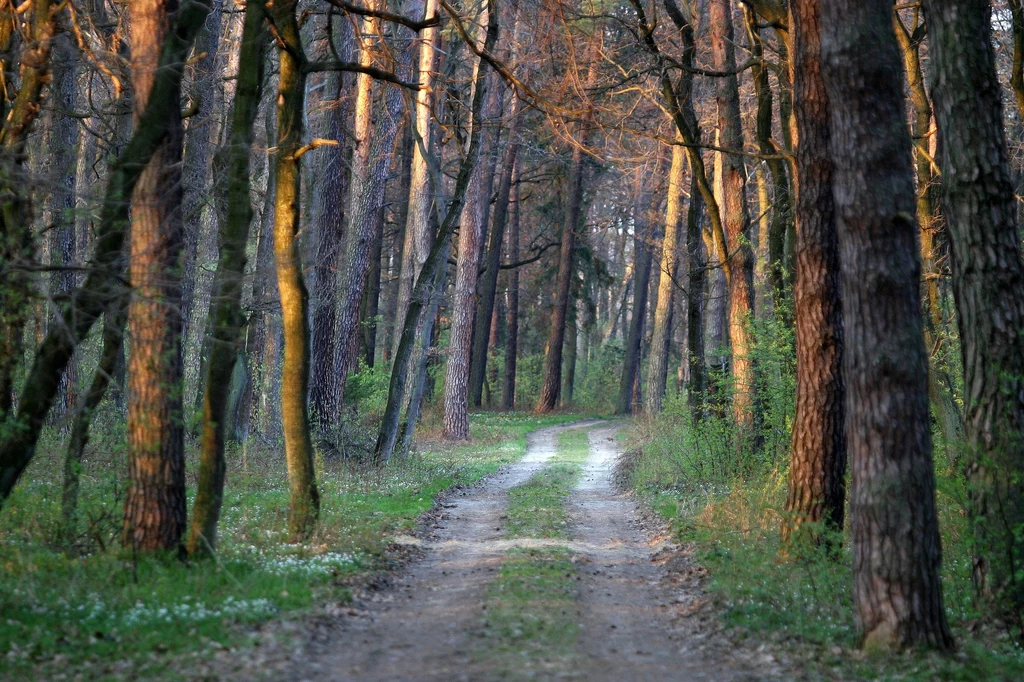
(661, 333)
(154, 514)
(988, 283)
(304, 506)
(940, 392)
(226, 313)
(817, 491)
(896, 551)
(734, 217)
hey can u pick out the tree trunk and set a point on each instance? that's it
(817, 469)
(374, 140)
(642, 259)
(463, 307)
(782, 212)
(696, 281)
(154, 513)
(488, 286)
(661, 335)
(740, 274)
(371, 296)
(988, 279)
(431, 275)
(571, 340)
(896, 550)
(226, 314)
(103, 284)
(304, 506)
(330, 194)
(419, 237)
(508, 391)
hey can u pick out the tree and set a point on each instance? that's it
(739, 254)
(817, 468)
(552, 385)
(103, 285)
(473, 221)
(642, 259)
(896, 552)
(304, 506)
(227, 320)
(988, 283)
(660, 335)
(154, 513)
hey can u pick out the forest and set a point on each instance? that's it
(480, 339)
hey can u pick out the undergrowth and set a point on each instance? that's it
(83, 603)
(729, 504)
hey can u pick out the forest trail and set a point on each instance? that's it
(431, 623)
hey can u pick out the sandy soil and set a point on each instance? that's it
(642, 616)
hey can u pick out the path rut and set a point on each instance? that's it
(427, 625)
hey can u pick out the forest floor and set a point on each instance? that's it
(545, 570)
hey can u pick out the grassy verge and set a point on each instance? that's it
(90, 607)
(531, 607)
(805, 606)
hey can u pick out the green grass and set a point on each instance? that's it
(531, 609)
(804, 606)
(536, 508)
(108, 614)
(531, 621)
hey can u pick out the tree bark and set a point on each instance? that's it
(332, 178)
(488, 285)
(661, 334)
(740, 274)
(508, 391)
(432, 274)
(226, 315)
(817, 468)
(103, 284)
(988, 279)
(374, 139)
(463, 307)
(304, 506)
(154, 513)
(896, 551)
(642, 259)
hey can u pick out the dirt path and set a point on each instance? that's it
(427, 626)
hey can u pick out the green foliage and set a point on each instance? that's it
(727, 499)
(103, 611)
(367, 389)
(597, 378)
